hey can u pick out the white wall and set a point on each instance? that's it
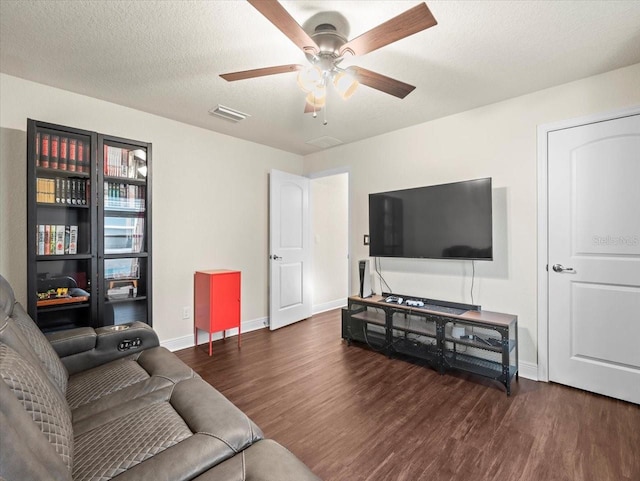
(209, 196)
(497, 141)
(330, 240)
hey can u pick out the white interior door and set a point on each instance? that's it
(290, 257)
(594, 257)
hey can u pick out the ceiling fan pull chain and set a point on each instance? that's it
(324, 111)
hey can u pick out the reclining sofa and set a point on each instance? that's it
(88, 404)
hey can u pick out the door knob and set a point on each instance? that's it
(561, 268)
(275, 257)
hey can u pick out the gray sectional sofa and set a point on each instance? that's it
(89, 404)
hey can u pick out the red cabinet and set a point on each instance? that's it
(216, 302)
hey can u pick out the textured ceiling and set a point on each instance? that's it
(164, 57)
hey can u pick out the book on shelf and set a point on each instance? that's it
(52, 239)
(57, 239)
(73, 239)
(68, 192)
(67, 238)
(37, 149)
(62, 191)
(119, 162)
(44, 150)
(57, 152)
(53, 156)
(58, 189)
(124, 196)
(44, 190)
(80, 166)
(41, 240)
(64, 149)
(60, 232)
(47, 235)
(71, 161)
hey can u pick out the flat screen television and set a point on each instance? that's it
(447, 221)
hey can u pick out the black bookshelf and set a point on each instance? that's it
(107, 270)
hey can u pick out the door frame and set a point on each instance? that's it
(329, 173)
(543, 219)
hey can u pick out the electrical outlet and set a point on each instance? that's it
(186, 312)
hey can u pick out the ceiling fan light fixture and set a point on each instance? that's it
(316, 101)
(345, 83)
(309, 78)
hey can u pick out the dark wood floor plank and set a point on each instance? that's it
(353, 414)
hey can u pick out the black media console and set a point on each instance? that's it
(447, 335)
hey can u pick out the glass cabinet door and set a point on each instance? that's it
(123, 237)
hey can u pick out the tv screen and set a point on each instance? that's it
(448, 221)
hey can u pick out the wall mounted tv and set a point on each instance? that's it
(448, 221)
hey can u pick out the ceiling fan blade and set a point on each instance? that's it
(380, 82)
(260, 72)
(277, 15)
(412, 21)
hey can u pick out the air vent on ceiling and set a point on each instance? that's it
(228, 113)
(324, 142)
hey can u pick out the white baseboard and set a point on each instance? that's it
(187, 341)
(528, 370)
(327, 306)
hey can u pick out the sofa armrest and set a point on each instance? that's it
(73, 341)
(110, 343)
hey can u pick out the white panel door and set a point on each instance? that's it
(594, 257)
(290, 257)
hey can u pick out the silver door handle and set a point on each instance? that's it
(561, 268)
(275, 257)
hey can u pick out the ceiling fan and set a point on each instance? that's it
(326, 48)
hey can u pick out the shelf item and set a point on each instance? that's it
(61, 300)
(73, 226)
(216, 303)
(57, 240)
(121, 196)
(485, 343)
(62, 191)
(124, 234)
(61, 151)
(125, 163)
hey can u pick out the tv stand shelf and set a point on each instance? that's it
(429, 335)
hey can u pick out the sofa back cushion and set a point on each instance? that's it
(41, 401)
(13, 312)
(7, 298)
(53, 366)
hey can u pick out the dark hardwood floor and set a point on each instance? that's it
(352, 414)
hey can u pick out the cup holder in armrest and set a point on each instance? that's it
(118, 328)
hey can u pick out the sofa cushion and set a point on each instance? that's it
(121, 381)
(88, 386)
(40, 399)
(25, 453)
(217, 430)
(7, 298)
(34, 337)
(42, 347)
(263, 461)
(111, 449)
